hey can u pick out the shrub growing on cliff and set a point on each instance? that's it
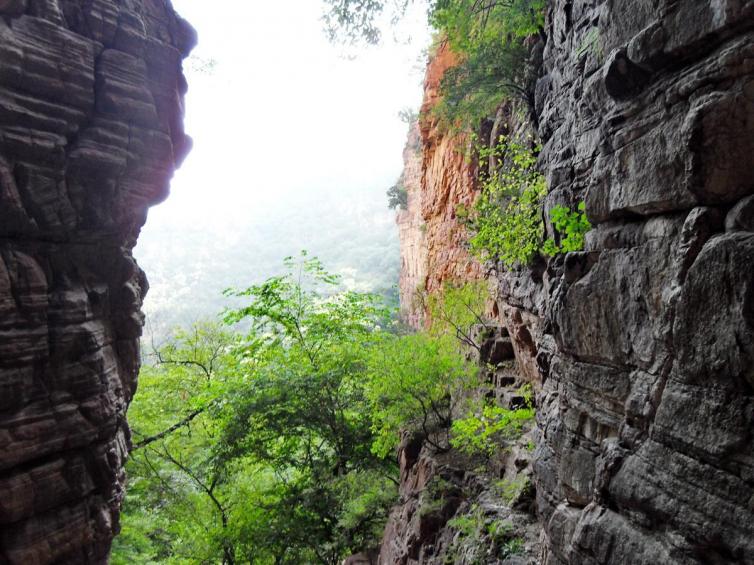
(413, 382)
(486, 426)
(506, 222)
(571, 228)
(397, 196)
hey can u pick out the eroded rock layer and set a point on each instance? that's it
(438, 176)
(647, 113)
(91, 130)
(642, 345)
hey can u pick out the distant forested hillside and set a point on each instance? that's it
(191, 260)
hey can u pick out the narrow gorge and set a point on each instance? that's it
(638, 350)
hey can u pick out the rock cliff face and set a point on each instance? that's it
(642, 345)
(438, 176)
(647, 113)
(412, 231)
(90, 133)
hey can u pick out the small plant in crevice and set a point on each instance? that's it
(514, 546)
(571, 228)
(510, 489)
(485, 428)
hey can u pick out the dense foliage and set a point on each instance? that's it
(506, 222)
(275, 443)
(497, 59)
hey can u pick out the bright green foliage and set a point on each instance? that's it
(256, 447)
(411, 381)
(274, 444)
(179, 503)
(485, 427)
(456, 308)
(571, 228)
(507, 219)
(490, 38)
(482, 432)
(304, 413)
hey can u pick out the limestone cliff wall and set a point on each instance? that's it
(641, 346)
(412, 232)
(90, 132)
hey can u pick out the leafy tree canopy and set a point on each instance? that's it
(271, 439)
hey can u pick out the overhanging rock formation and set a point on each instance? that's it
(91, 111)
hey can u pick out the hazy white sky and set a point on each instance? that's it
(283, 113)
(294, 147)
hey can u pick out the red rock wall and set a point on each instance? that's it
(91, 130)
(433, 243)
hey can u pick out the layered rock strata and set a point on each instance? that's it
(412, 232)
(641, 345)
(91, 112)
(647, 113)
(438, 176)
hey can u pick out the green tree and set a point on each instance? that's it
(414, 382)
(179, 502)
(304, 413)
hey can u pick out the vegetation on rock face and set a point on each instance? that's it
(506, 222)
(571, 228)
(497, 59)
(275, 444)
(487, 426)
(414, 382)
(397, 196)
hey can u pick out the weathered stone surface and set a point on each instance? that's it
(648, 396)
(438, 178)
(412, 232)
(641, 346)
(440, 488)
(90, 133)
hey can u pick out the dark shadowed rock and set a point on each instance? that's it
(91, 130)
(642, 346)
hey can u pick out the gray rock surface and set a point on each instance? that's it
(91, 111)
(642, 345)
(647, 358)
